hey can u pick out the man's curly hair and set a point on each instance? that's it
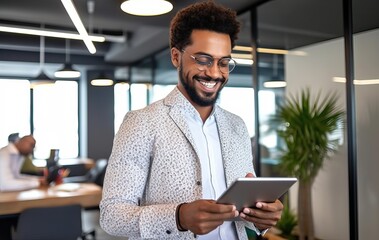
(202, 16)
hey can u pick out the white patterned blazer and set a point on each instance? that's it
(154, 166)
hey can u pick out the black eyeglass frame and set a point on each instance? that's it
(203, 65)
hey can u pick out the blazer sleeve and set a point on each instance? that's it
(121, 212)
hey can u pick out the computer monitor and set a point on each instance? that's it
(53, 158)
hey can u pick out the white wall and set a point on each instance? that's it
(330, 192)
(367, 100)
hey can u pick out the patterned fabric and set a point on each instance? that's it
(154, 166)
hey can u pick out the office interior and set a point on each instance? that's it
(324, 45)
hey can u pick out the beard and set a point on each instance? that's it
(209, 99)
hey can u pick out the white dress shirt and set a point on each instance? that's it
(10, 165)
(212, 169)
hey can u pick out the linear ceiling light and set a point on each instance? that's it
(70, 8)
(275, 83)
(357, 82)
(243, 58)
(270, 50)
(146, 7)
(47, 33)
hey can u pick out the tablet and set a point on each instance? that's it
(246, 192)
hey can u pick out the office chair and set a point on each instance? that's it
(48, 223)
(94, 175)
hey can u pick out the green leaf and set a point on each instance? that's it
(306, 124)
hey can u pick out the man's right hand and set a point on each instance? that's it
(202, 216)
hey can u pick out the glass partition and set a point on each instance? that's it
(366, 59)
(305, 48)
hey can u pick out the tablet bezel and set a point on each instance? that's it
(246, 192)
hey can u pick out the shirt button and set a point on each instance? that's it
(168, 231)
(198, 183)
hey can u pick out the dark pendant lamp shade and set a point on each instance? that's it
(42, 78)
(276, 81)
(67, 71)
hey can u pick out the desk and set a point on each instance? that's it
(65, 162)
(85, 194)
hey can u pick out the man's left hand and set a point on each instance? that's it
(264, 215)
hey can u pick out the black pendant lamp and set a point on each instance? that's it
(67, 71)
(42, 78)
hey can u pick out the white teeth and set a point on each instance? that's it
(209, 84)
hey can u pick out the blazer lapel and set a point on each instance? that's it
(226, 133)
(179, 105)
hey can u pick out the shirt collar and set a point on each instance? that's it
(12, 149)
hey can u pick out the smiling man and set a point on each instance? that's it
(171, 160)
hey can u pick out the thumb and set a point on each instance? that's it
(250, 175)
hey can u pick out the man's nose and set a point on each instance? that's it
(213, 71)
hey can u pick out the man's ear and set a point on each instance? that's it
(175, 57)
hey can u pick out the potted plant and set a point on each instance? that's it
(306, 125)
(287, 222)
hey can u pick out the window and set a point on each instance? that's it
(121, 103)
(139, 93)
(243, 105)
(14, 108)
(161, 91)
(55, 117)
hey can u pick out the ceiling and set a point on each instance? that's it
(282, 24)
(143, 35)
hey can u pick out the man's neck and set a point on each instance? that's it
(204, 111)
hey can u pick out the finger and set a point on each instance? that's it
(260, 223)
(260, 218)
(249, 175)
(222, 212)
(271, 207)
(217, 208)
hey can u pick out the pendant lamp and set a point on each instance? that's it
(276, 81)
(102, 81)
(146, 7)
(67, 71)
(41, 78)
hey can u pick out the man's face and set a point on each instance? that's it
(202, 84)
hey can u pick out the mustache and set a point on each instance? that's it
(209, 79)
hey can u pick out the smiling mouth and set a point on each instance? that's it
(207, 84)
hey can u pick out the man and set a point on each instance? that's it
(11, 159)
(27, 167)
(172, 159)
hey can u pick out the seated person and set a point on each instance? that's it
(27, 167)
(12, 158)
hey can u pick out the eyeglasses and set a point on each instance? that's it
(203, 62)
